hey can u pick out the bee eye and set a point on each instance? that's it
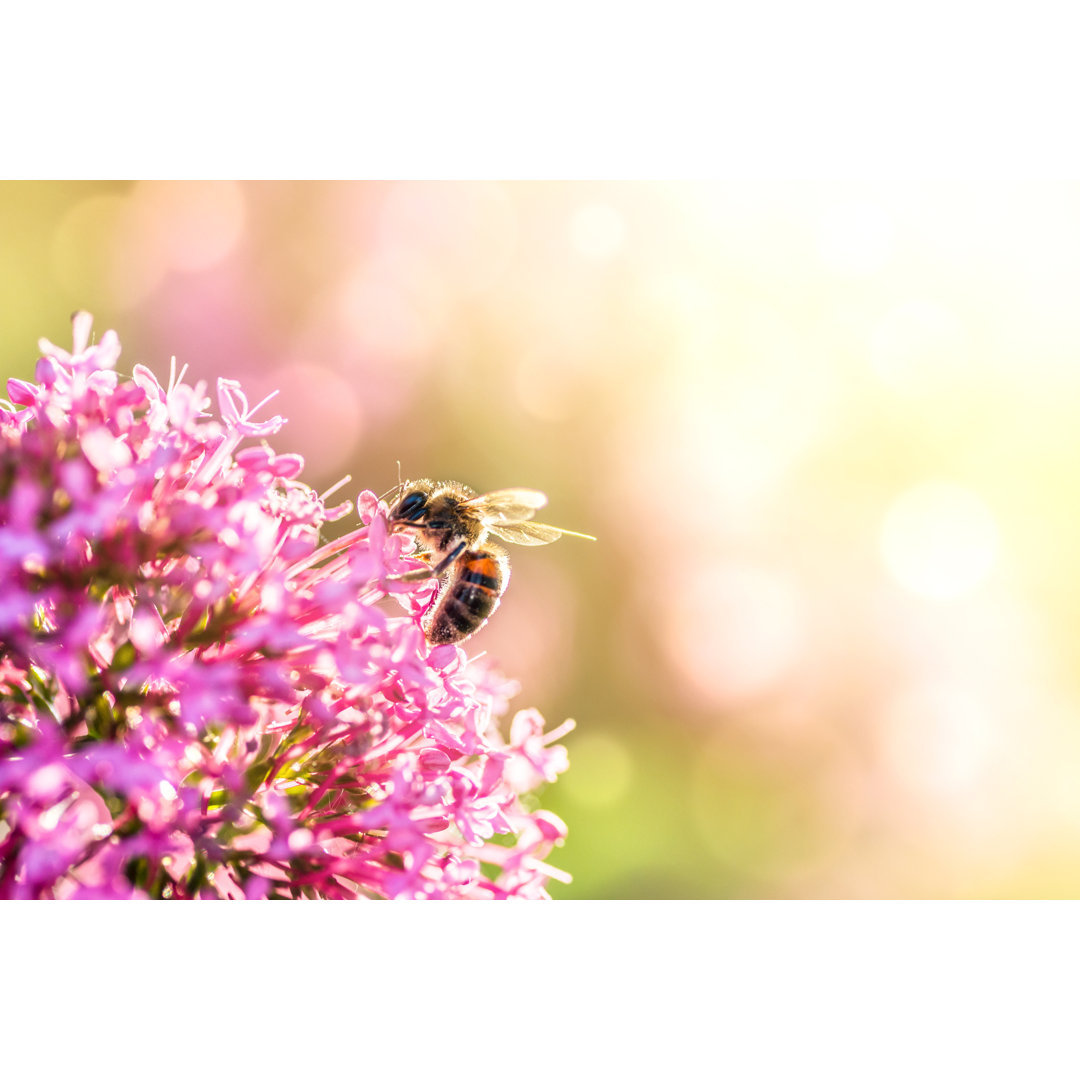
(411, 507)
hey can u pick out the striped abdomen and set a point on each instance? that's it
(468, 594)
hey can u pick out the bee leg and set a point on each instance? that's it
(432, 571)
(413, 575)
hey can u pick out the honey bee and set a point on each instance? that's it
(451, 523)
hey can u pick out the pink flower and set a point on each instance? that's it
(197, 699)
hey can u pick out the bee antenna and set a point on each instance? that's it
(397, 487)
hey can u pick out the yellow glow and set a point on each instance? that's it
(83, 246)
(855, 237)
(601, 769)
(917, 344)
(939, 540)
(597, 232)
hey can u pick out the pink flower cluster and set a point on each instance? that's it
(197, 699)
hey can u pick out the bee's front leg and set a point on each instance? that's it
(431, 571)
(414, 575)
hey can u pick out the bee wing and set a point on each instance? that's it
(508, 505)
(532, 533)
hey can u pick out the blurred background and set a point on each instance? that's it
(827, 643)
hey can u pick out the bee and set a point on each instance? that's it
(451, 523)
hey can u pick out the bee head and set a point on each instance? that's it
(410, 508)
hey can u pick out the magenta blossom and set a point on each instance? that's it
(197, 699)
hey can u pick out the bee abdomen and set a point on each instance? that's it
(481, 571)
(470, 595)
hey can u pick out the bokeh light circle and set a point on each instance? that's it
(194, 224)
(938, 738)
(732, 633)
(939, 540)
